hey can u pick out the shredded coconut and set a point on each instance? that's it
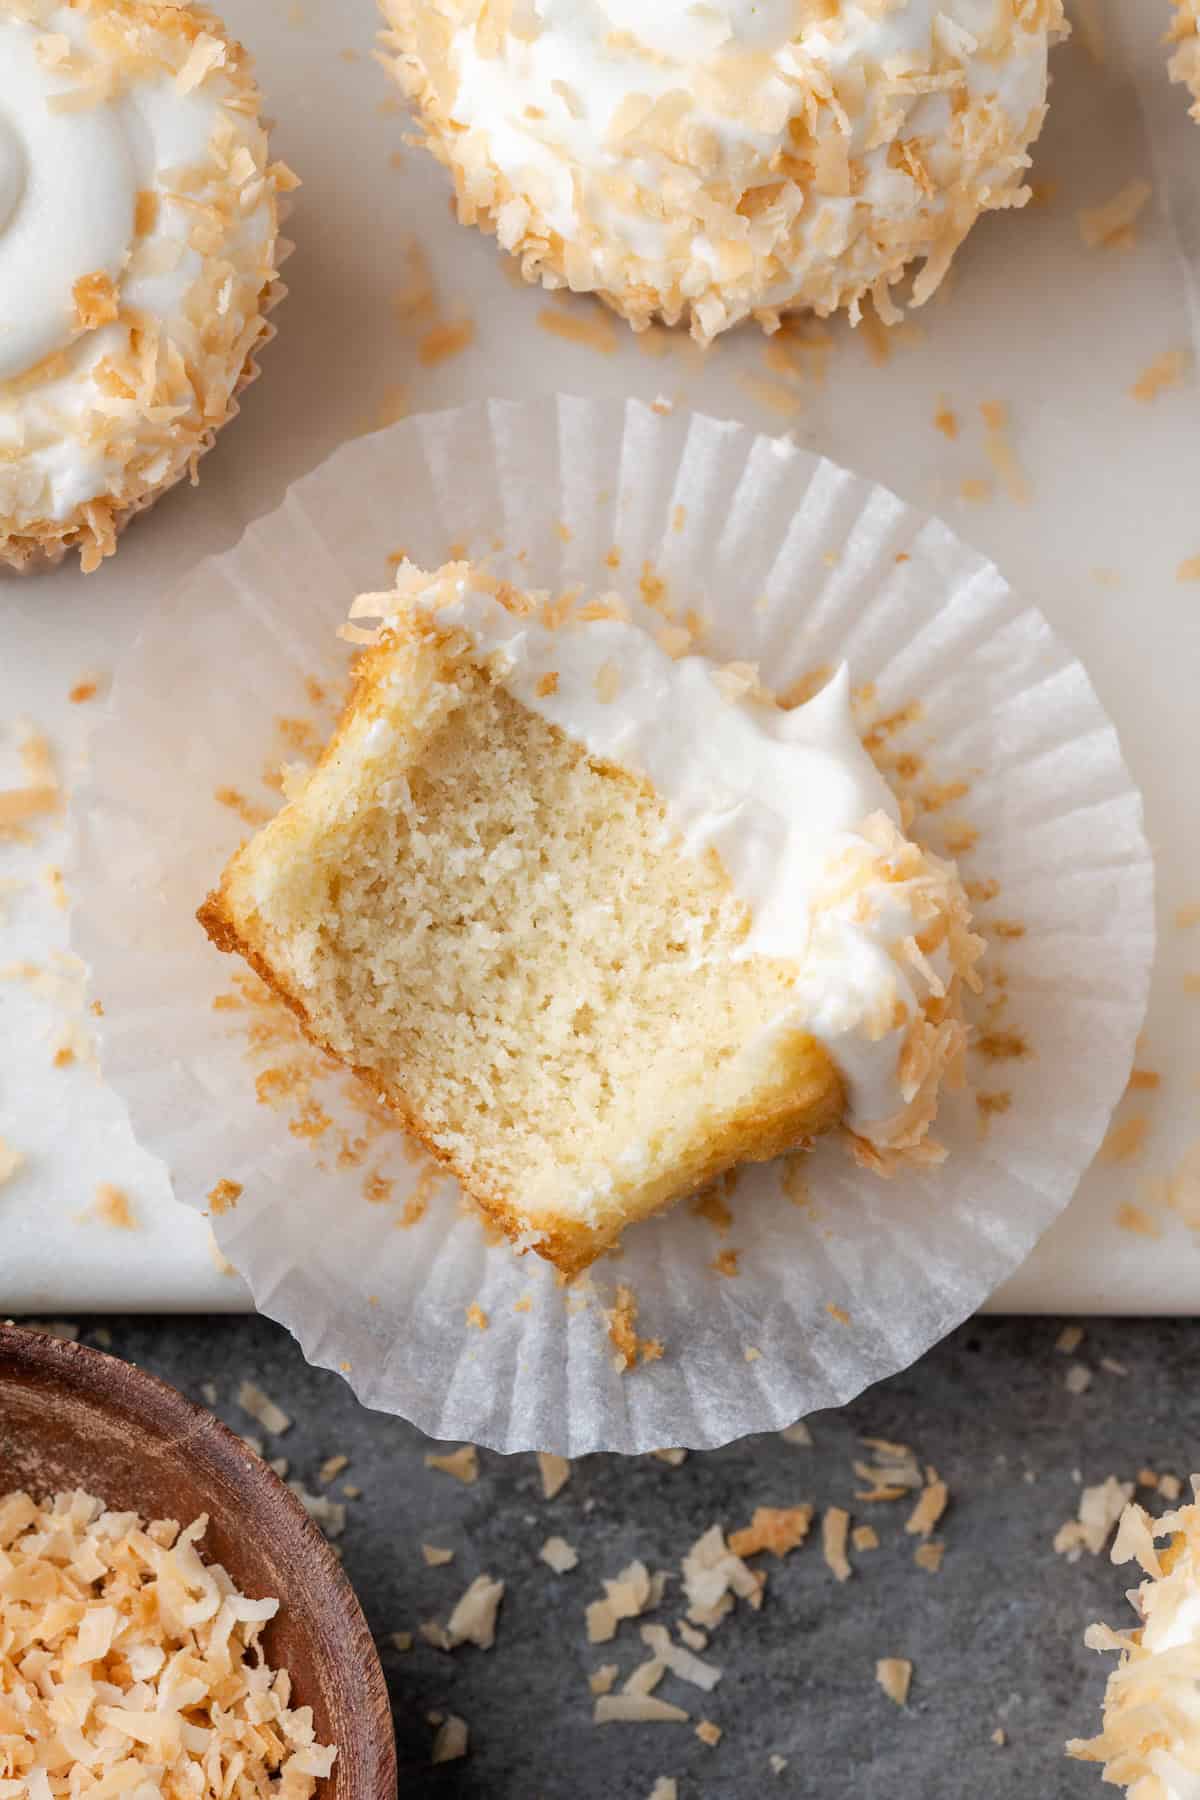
(132, 1667)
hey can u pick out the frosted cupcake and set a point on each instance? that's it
(598, 919)
(1150, 1744)
(740, 158)
(139, 237)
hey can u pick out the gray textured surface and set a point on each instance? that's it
(995, 1637)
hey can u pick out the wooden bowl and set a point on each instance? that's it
(73, 1417)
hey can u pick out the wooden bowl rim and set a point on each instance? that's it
(331, 1606)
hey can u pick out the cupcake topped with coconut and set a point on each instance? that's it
(733, 158)
(1150, 1744)
(138, 248)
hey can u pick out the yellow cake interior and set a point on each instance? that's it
(501, 935)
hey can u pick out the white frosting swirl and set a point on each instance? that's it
(787, 799)
(107, 166)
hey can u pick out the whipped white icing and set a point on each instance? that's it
(635, 131)
(782, 796)
(1150, 1744)
(110, 182)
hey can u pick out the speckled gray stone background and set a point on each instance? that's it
(995, 1638)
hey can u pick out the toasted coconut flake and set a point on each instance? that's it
(645, 1678)
(1069, 1339)
(713, 1576)
(555, 1472)
(11, 1161)
(473, 1620)
(779, 1529)
(331, 1468)
(434, 1557)
(601, 1680)
(636, 1709)
(894, 1676)
(558, 1555)
(798, 1434)
(835, 1527)
(709, 1733)
(928, 1510)
(262, 1409)
(462, 1464)
(681, 1662)
(930, 1556)
(1100, 1507)
(664, 1789)
(865, 1537)
(674, 1458)
(1078, 1379)
(452, 1740)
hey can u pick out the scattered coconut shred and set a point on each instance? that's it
(131, 1667)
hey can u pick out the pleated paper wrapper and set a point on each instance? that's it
(807, 1279)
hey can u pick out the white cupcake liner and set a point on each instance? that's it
(795, 564)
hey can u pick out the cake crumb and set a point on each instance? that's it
(894, 1676)
(1079, 1379)
(798, 1433)
(865, 1537)
(400, 1640)
(1000, 1737)
(435, 1557)
(929, 1556)
(83, 691)
(601, 1680)
(838, 1312)
(673, 1457)
(224, 1197)
(1189, 569)
(709, 1733)
(462, 1464)
(777, 1763)
(621, 1319)
(725, 1262)
(477, 1317)
(331, 1468)
(11, 1161)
